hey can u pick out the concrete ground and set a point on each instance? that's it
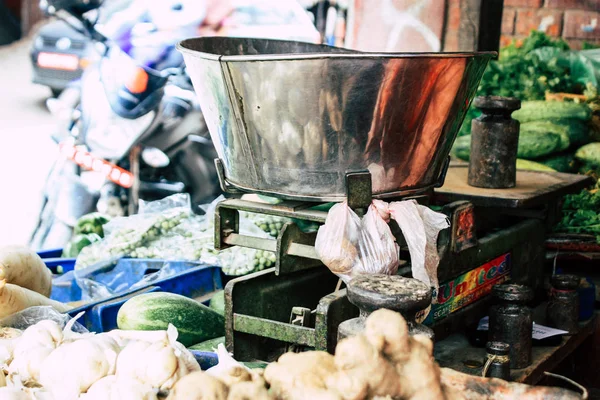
(26, 150)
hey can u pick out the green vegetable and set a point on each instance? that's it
(256, 364)
(577, 130)
(581, 213)
(155, 311)
(528, 71)
(534, 144)
(209, 345)
(532, 166)
(77, 243)
(589, 154)
(91, 223)
(559, 162)
(217, 302)
(531, 145)
(547, 110)
(548, 127)
(462, 147)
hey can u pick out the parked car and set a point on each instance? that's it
(60, 54)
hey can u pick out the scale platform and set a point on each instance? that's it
(534, 188)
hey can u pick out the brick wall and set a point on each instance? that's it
(574, 20)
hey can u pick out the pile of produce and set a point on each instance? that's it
(382, 363)
(554, 136)
(24, 281)
(581, 213)
(556, 130)
(175, 233)
(88, 229)
(46, 361)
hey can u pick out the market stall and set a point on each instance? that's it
(349, 258)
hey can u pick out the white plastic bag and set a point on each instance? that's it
(420, 227)
(349, 246)
(378, 250)
(337, 240)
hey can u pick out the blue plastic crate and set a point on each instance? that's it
(205, 359)
(198, 281)
(53, 260)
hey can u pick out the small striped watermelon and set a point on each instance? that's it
(194, 321)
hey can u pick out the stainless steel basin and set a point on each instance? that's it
(290, 119)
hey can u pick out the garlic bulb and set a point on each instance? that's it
(226, 365)
(7, 393)
(75, 366)
(8, 341)
(45, 333)
(26, 366)
(114, 387)
(159, 364)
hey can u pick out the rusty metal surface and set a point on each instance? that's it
(494, 142)
(571, 242)
(478, 388)
(533, 188)
(452, 351)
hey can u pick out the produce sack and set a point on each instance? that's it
(349, 246)
(125, 235)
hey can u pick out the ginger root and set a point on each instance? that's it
(297, 372)
(383, 362)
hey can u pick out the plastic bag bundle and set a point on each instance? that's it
(350, 246)
(337, 240)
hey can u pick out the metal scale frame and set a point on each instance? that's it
(295, 306)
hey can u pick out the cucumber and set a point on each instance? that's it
(560, 162)
(539, 110)
(462, 147)
(155, 311)
(533, 166)
(547, 127)
(535, 145)
(589, 154)
(209, 345)
(578, 130)
(217, 302)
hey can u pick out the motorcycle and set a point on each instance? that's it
(132, 130)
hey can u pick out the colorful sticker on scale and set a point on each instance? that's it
(469, 287)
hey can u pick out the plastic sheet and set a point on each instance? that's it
(32, 315)
(102, 281)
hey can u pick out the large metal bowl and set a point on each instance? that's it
(290, 119)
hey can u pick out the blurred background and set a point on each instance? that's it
(41, 55)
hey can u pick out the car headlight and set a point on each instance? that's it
(108, 135)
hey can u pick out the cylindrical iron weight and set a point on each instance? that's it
(563, 305)
(511, 322)
(494, 143)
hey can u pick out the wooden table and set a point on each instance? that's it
(453, 351)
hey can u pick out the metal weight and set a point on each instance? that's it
(494, 143)
(563, 305)
(393, 292)
(497, 362)
(511, 322)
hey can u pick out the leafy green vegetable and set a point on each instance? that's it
(581, 213)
